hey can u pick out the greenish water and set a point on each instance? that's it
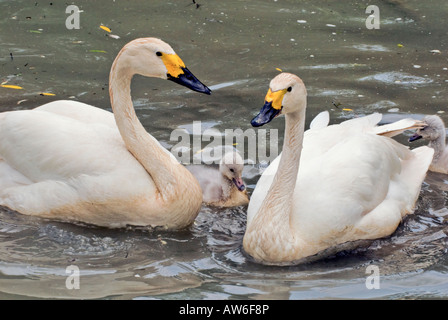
(234, 47)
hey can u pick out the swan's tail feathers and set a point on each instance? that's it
(321, 120)
(396, 128)
(413, 173)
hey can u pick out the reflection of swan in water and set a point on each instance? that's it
(348, 184)
(71, 161)
(223, 187)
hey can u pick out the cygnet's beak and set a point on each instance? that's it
(416, 136)
(239, 183)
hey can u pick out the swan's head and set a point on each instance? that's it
(286, 94)
(231, 167)
(152, 57)
(434, 129)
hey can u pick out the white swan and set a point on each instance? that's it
(71, 161)
(351, 184)
(223, 187)
(435, 133)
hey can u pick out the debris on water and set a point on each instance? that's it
(400, 45)
(98, 51)
(417, 66)
(19, 102)
(435, 51)
(331, 25)
(113, 36)
(301, 21)
(47, 94)
(105, 28)
(10, 86)
(393, 110)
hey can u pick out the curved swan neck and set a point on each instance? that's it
(143, 146)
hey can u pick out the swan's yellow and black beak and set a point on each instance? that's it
(272, 108)
(178, 72)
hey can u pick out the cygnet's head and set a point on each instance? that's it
(434, 129)
(231, 167)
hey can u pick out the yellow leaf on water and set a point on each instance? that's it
(9, 86)
(347, 109)
(47, 94)
(105, 28)
(278, 69)
(400, 45)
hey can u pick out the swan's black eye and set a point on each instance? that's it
(231, 170)
(289, 89)
(159, 54)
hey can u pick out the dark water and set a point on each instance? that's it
(234, 47)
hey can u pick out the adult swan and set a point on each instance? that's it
(339, 184)
(73, 162)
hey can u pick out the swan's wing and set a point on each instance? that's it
(362, 123)
(336, 189)
(79, 111)
(261, 189)
(44, 145)
(395, 128)
(320, 121)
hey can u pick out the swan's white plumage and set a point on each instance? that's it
(352, 184)
(69, 161)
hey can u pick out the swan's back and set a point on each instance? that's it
(347, 173)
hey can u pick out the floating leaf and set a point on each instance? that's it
(400, 45)
(35, 31)
(105, 28)
(47, 94)
(113, 36)
(278, 69)
(347, 109)
(100, 51)
(9, 86)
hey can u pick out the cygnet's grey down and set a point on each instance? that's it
(435, 133)
(223, 187)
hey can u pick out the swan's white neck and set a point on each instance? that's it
(270, 230)
(173, 182)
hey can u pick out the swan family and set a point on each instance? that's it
(331, 185)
